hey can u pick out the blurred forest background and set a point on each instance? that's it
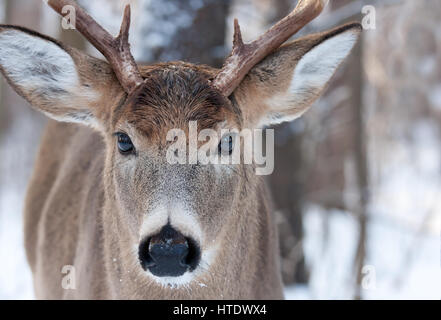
(356, 184)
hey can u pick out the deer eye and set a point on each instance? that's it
(125, 145)
(225, 146)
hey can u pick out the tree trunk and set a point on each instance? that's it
(361, 168)
(184, 31)
(287, 183)
(20, 129)
(19, 123)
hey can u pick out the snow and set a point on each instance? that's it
(435, 97)
(330, 243)
(404, 223)
(15, 276)
(330, 248)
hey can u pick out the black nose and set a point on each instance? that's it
(168, 253)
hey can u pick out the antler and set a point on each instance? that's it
(116, 50)
(245, 56)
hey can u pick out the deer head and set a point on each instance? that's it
(171, 223)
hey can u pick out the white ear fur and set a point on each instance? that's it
(316, 67)
(46, 75)
(310, 76)
(36, 65)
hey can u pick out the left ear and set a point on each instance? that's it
(284, 85)
(63, 83)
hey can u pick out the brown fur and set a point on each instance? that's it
(86, 203)
(85, 230)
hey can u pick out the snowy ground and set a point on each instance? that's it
(15, 276)
(23, 138)
(403, 263)
(403, 250)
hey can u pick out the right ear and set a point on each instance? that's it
(60, 81)
(286, 83)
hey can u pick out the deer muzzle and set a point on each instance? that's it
(169, 253)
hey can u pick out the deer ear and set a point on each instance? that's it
(287, 82)
(60, 81)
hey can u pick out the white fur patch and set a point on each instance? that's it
(154, 221)
(85, 118)
(36, 65)
(207, 257)
(47, 75)
(311, 74)
(179, 218)
(317, 66)
(185, 222)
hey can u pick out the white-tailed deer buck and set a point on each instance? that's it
(103, 198)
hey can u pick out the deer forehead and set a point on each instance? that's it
(173, 95)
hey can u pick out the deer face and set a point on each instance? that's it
(170, 221)
(176, 211)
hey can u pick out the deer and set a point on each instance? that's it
(102, 197)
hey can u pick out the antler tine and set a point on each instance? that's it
(116, 50)
(245, 56)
